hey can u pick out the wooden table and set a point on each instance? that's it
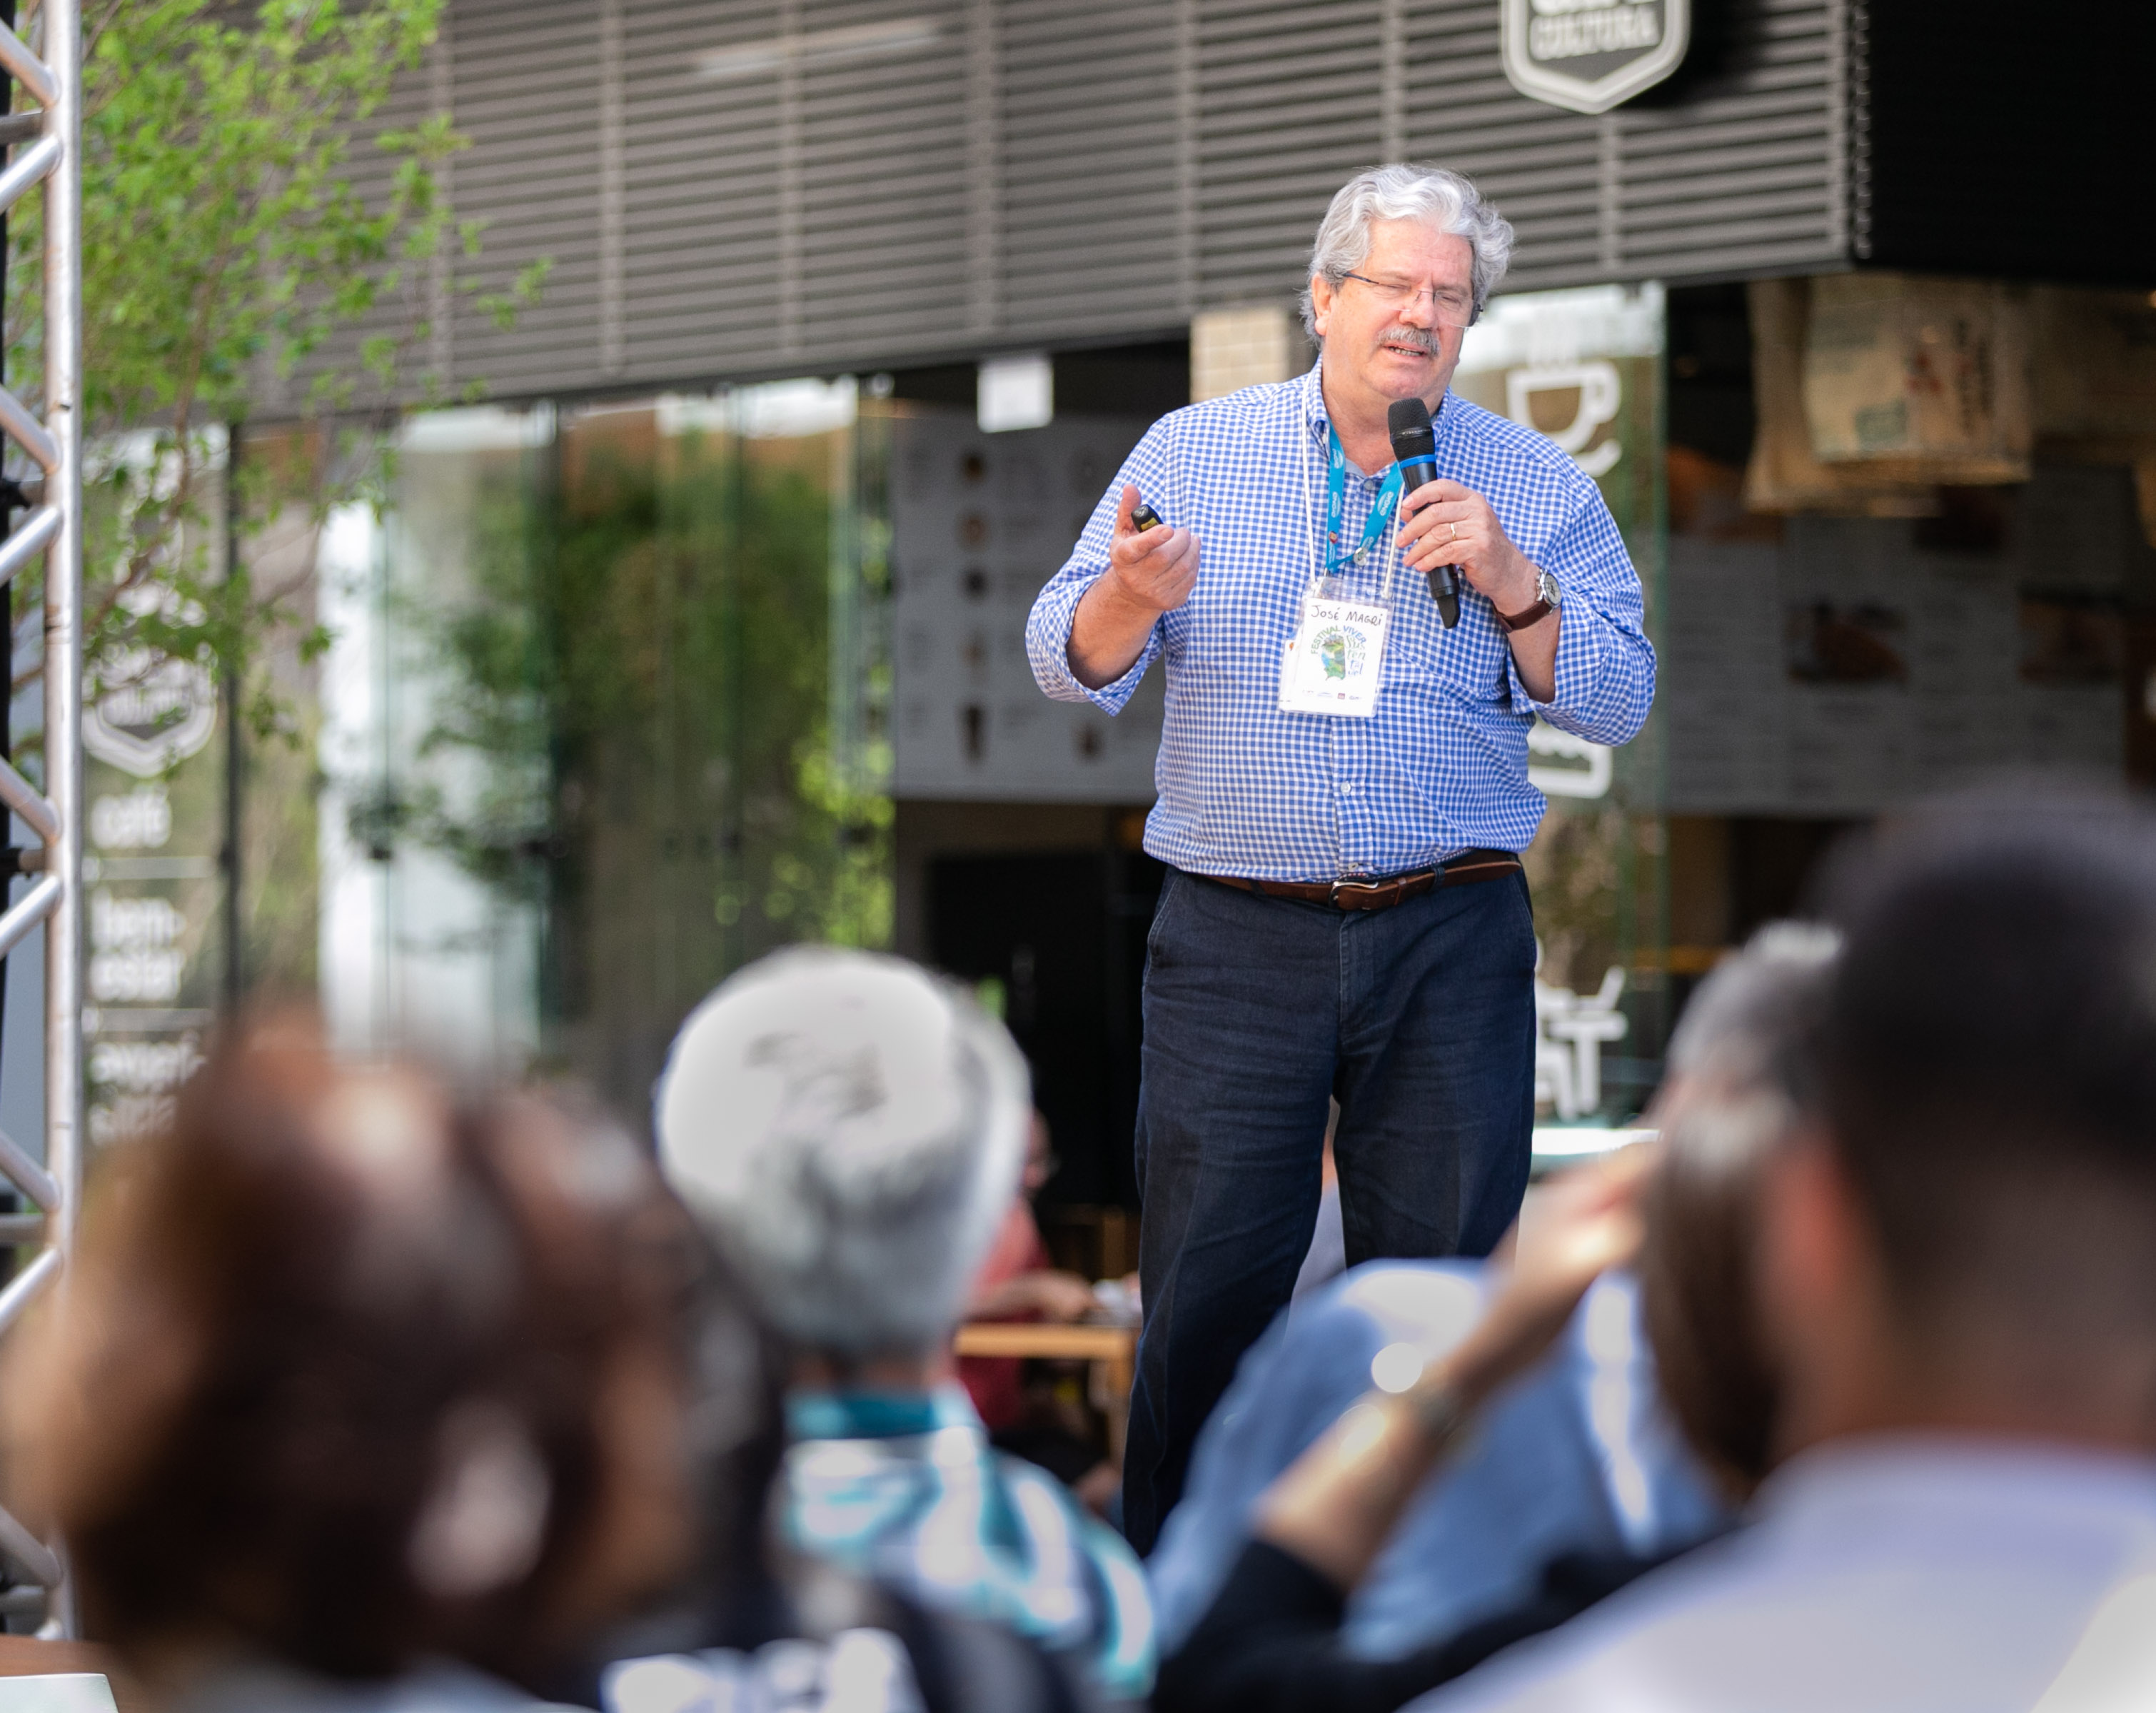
(1112, 1351)
(25, 1656)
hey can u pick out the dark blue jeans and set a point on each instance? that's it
(1421, 1020)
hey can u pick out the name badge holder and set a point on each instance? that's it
(1334, 662)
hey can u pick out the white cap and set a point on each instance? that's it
(851, 1130)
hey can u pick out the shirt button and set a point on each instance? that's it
(1347, 790)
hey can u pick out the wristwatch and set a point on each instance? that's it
(1549, 598)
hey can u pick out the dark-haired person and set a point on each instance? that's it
(361, 1397)
(1353, 1588)
(1956, 1275)
(370, 1400)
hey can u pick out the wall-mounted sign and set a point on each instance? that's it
(157, 797)
(1591, 54)
(154, 888)
(1583, 366)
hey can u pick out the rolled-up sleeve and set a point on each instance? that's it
(1055, 609)
(1605, 666)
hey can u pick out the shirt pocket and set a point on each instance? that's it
(1234, 622)
(1464, 664)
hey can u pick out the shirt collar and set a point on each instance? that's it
(868, 1414)
(1314, 420)
(1901, 1478)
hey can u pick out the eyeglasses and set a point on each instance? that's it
(1453, 309)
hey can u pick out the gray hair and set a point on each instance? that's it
(849, 1129)
(1403, 192)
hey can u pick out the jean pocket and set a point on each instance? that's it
(1170, 883)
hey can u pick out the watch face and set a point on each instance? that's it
(1546, 587)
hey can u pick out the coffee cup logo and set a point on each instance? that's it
(1539, 398)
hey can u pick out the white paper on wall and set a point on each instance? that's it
(979, 522)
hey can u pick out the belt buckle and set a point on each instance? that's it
(1370, 888)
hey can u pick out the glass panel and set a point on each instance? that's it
(1585, 367)
(634, 703)
(427, 938)
(154, 774)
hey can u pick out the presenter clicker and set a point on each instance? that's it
(1343, 788)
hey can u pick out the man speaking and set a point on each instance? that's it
(1342, 788)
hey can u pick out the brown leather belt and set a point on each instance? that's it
(1464, 870)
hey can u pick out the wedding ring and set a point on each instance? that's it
(1455, 536)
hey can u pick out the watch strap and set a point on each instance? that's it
(1546, 588)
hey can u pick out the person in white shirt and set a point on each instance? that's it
(1956, 1275)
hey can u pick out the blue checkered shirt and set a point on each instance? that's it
(1442, 767)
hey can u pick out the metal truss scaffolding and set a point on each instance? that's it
(51, 155)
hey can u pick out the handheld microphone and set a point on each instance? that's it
(1414, 447)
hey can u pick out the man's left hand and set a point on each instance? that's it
(1453, 525)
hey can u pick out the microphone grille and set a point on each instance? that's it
(1408, 422)
(1407, 416)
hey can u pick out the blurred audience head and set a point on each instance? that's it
(851, 1130)
(1739, 1085)
(1973, 1243)
(354, 1372)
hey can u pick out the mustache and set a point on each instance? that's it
(1420, 338)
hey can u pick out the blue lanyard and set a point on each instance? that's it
(1336, 505)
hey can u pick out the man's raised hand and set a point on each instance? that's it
(1152, 569)
(1443, 523)
(1150, 572)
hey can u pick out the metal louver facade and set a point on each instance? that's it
(794, 185)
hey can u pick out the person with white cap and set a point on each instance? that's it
(849, 1130)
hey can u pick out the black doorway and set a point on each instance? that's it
(1063, 933)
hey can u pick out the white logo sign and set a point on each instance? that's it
(159, 711)
(1562, 765)
(141, 821)
(1591, 54)
(1600, 393)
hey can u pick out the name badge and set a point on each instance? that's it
(1332, 663)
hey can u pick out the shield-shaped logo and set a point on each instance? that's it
(1591, 54)
(153, 712)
